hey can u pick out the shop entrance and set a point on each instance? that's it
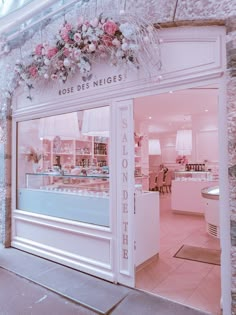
(110, 250)
(174, 217)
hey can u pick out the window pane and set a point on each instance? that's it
(63, 166)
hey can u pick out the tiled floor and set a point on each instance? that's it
(188, 282)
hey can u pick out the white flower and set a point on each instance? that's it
(116, 42)
(46, 61)
(92, 47)
(125, 46)
(94, 22)
(127, 30)
(46, 76)
(66, 62)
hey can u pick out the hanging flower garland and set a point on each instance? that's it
(76, 48)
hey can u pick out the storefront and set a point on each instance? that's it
(76, 206)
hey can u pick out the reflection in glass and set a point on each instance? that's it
(61, 172)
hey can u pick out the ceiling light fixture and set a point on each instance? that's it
(154, 147)
(184, 142)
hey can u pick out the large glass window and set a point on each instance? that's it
(63, 166)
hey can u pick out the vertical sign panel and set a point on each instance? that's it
(125, 191)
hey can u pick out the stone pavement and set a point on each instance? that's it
(30, 285)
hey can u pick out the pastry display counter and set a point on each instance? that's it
(72, 197)
(186, 191)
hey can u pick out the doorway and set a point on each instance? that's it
(188, 282)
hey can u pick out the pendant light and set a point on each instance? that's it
(154, 147)
(96, 122)
(65, 126)
(184, 142)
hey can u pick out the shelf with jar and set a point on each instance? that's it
(85, 152)
(100, 151)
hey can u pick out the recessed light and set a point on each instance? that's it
(150, 117)
(206, 110)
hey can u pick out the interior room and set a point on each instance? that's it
(183, 211)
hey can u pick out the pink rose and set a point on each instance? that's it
(38, 49)
(68, 27)
(77, 37)
(107, 40)
(52, 52)
(33, 71)
(110, 27)
(64, 34)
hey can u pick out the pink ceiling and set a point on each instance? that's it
(172, 111)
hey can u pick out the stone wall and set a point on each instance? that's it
(5, 181)
(231, 119)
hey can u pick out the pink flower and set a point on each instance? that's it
(59, 64)
(66, 52)
(64, 35)
(52, 52)
(77, 37)
(110, 27)
(68, 27)
(33, 71)
(76, 53)
(107, 40)
(38, 49)
(65, 32)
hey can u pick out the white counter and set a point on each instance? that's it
(186, 196)
(147, 226)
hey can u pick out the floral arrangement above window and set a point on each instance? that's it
(181, 159)
(77, 46)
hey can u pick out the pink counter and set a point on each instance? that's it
(186, 196)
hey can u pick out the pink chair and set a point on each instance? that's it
(168, 181)
(152, 182)
(160, 182)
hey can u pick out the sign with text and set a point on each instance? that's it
(125, 187)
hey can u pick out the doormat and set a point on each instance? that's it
(201, 254)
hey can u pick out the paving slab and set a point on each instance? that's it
(97, 294)
(20, 296)
(140, 303)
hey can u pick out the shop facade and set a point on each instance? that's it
(107, 250)
(108, 247)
